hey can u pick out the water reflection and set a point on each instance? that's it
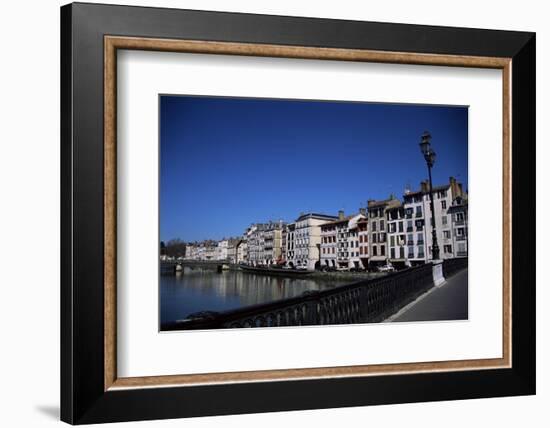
(196, 289)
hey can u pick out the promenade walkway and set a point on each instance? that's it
(448, 302)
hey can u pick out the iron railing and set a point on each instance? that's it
(452, 266)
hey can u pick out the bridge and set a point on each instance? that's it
(365, 301)
(171, 266)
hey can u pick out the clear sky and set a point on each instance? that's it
(229, 162)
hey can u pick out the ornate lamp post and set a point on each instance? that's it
(429, 156)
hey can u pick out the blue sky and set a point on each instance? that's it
(228, 162)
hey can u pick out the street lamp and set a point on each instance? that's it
(429, 157)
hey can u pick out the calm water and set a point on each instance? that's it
(197, 290)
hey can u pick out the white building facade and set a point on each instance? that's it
(264, 243)
(419, 221)
(222, 250)
(306, 240)
(395, 228)
(340, 242)
(458, 213)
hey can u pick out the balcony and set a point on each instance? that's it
(460, 238)
(460, 222)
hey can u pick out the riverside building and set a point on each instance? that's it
(306, 240)
(419, 220)
(378, 245)
(340, 242)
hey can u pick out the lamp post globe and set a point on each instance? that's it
(425, 146)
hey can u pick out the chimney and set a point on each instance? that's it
(363, 211)
(456, 187)
(424, 187)
(341, 215)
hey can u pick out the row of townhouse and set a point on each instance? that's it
(264, 242)
(399, 232)
(201, 251)
(295, 245)
(230, 250)
(387, 231)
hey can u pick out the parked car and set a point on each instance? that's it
(386, 268)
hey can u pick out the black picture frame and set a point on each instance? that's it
(83, 398)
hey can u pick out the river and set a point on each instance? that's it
(196, 289)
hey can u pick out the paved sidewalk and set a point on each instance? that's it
(448, 302)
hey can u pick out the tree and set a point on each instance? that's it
(175, 248)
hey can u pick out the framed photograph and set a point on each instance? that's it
(265, 213)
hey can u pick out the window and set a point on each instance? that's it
(444, 205)
(459, 216)
(410, 239)
(400, 226)
(392, 241)
(444, 220)
(419, 210)
(392, 252)
(409, 225)
(460, 231)
(411, 253)
(392, 227)
(419, 239)
(374, 250)
(381, 224)
(448, 249)
(361, 250)
(401, 252)
(446, 234)
(374, 226)
(383, 250)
